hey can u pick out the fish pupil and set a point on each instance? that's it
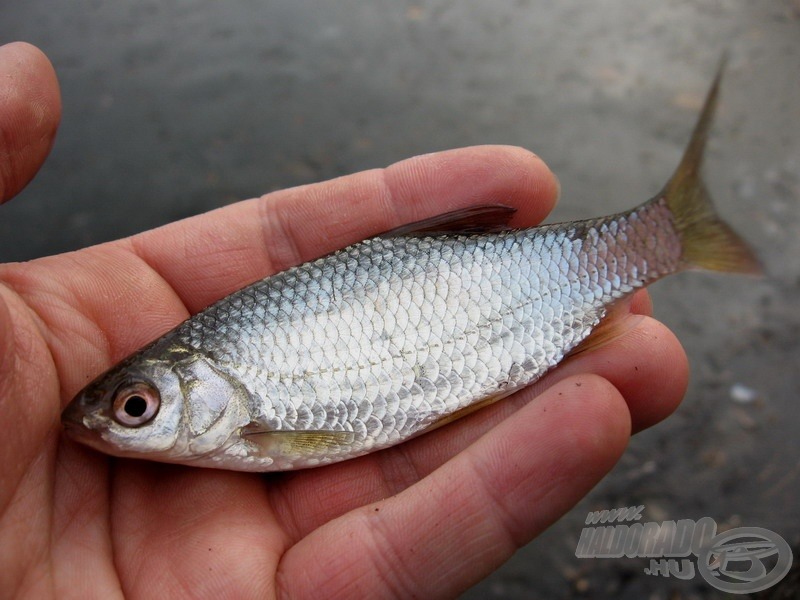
(135, 406)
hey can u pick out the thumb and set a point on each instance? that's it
(30, 109)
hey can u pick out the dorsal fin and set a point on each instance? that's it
(475, 219)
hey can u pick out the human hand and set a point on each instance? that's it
(427, 518)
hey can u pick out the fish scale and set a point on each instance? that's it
(441, 321)
(379, 342)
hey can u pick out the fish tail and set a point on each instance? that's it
(707, 242)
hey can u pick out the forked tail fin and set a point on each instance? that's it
(707, 241)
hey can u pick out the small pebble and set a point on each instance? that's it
(742, 394)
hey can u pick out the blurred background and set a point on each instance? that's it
(171, 109)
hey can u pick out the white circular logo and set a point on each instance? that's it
(745, 560)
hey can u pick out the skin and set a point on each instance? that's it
(428, 518)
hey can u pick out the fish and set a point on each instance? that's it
(398, 334)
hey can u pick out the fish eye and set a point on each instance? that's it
(136, 403)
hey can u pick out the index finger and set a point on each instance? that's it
(207, 257)
(30, 109)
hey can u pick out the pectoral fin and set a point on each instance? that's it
(296, 443)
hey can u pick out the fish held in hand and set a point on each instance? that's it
(396, 335)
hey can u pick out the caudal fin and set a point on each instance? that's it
(707, 241)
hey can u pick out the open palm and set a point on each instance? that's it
(427, 518)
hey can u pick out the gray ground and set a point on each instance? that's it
(171, 109)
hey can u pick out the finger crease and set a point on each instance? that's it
(493, 499)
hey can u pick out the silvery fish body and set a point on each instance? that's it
(381, 341)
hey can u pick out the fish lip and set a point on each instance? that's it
(72, 416)
(78, 428)
(80, 417)
(74, 422)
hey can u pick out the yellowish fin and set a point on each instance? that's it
(617, 322)
(468, 410)
(292, 443)
(707, 242)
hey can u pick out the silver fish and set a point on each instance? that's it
(395, 335)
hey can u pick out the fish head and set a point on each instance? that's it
(178, 407)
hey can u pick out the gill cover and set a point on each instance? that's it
(215, 405)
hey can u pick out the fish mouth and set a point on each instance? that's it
(77, 425)
(72, 418)
(78, 428)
